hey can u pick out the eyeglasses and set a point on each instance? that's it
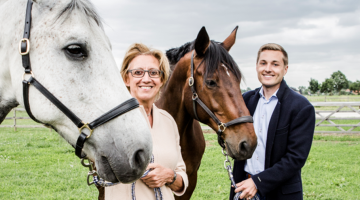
(139, 73)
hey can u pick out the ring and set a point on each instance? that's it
(249, 198)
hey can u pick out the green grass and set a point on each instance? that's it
(332, 170)
(39, 164)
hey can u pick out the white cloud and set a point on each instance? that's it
(320, 36)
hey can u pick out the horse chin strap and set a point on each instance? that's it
(221, 126)
(24, 49)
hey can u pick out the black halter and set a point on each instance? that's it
(221, 126)
(24, 49)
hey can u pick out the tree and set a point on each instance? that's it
(340, 81)
(314, 85)
(327, 86)
(246, 90)
(355, 86)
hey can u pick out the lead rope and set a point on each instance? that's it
(102, 183)
(227, 166)
(157, 191)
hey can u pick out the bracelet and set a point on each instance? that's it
(168, 184)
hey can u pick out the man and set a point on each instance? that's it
(284, 123)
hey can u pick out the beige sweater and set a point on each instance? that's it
(166, 151)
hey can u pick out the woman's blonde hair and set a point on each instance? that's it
(137, 49)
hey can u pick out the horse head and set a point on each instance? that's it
(71, 56)
(217, 83)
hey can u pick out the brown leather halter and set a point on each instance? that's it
(24, 49)
(221, 125)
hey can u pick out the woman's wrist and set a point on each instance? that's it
(172, 178)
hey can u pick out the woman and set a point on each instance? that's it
(145, 71)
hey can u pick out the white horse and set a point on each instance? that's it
(71, 57)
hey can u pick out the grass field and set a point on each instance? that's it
(38, 164)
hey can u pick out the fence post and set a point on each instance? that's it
(325, 98)
(14, 110)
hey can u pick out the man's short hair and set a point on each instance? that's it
(273, 47)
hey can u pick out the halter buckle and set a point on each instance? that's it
(225, 163)
(191, 81)
(89, 164)
(32, 74)
(27, 46)
(195, 96)
(91, 173)
(86, 126)
(222, 127)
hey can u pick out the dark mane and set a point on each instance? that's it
(175, 54)
(214, 56)
(85, 7)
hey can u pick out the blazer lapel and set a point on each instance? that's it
(271, 133)
(281, 95)
(253, 101)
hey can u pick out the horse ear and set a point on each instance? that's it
(202, 42)
(230, 41)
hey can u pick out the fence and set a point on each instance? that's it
(342, 98)
(332, 111)
(15, 125)
(337, 113)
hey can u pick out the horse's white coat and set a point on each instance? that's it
(88, 87)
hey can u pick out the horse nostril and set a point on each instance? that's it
(244, 147)
(139, 158)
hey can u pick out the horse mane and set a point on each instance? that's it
(214, 56)
(85, 6)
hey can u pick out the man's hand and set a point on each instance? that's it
(158, 176)
(247, 188)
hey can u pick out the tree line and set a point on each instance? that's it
(335, 84)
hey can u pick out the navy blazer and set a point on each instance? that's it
(288, 144)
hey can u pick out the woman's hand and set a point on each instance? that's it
(158, 176)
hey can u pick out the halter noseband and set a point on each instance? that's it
(24, 49)
(221, 126)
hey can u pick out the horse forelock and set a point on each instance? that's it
(214, 57)
(85, 6)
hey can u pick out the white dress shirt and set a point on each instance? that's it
(262, 116)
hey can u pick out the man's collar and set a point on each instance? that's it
(280, 92)
(261, 92)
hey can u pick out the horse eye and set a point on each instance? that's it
(211, 83)
(75, 51)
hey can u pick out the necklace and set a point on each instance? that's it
(149, 113)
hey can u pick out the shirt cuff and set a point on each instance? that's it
(185, 182)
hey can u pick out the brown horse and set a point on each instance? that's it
(217, 82)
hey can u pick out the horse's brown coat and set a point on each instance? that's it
(226, 102)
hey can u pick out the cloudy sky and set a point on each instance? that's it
(320, 36)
